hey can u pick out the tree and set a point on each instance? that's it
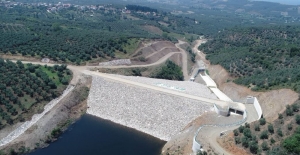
(272, 140)
(256, 127)
(247, 133)
(292, 144)
(264, 135)
(298, 119)
(237, 140)
(279, 132)
(290, 127)
(241, 129)
(265, 146)
(271, 128)
(170, 71)
(295, 107)
(262, 121)
(245, 141)
(253, 147)
(236, 132)
(280, 116)
(289, 111)
(202, 153)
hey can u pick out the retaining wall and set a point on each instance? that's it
(197, 145)
(253, 100)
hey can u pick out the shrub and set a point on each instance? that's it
(291, 144)
(289, 111)
(290, 127)
(253, 138)
(265, 146)
(237, 140)
(247, 133)
(256, 127)
(272, 140)
(247, 125)
(295, 107)
(241, 129)
(236, 132)
(253, 147)
(56, 132)
(245, 142)
(271, 128)
(264, 135)
(262, 121)
(298, 119)
(202, 153)
(279, 132)
(280, 116)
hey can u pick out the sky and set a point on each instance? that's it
(293, 2)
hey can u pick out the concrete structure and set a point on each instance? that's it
(253, 100)
(221, 111)
(154, 112)
(196, 147)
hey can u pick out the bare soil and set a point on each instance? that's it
(228, 143)
(177, 59)
(67, 111)
(274, 99)
(19, 57)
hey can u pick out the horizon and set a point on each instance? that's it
(289, 2)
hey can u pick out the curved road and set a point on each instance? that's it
(214, 133)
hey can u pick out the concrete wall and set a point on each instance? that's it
(258, 108)
(209, 82)
(254, 101)
(196, 146)
(223, 112)
(245, 115)
(220, 94)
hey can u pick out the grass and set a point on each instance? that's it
(184, 37)
(27, 101)
(52, 76)
(130, 47)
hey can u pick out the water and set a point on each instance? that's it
(93, 136)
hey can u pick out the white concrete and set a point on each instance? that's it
(220, 94)
(209, 82)
(186, 87)
(254, 101)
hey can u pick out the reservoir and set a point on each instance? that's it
(91, 135)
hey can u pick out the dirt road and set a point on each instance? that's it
(184, 60)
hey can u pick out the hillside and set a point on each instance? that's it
(25, 88)
(262, 58)
(280, 137)
(80, 33)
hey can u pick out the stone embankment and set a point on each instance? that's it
(155, 113)
(116, 62)
(20, 130)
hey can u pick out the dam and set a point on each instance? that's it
(148, 109)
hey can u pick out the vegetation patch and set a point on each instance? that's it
(169, 71)
(280, 137)
(262, 58)
(25, 88)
